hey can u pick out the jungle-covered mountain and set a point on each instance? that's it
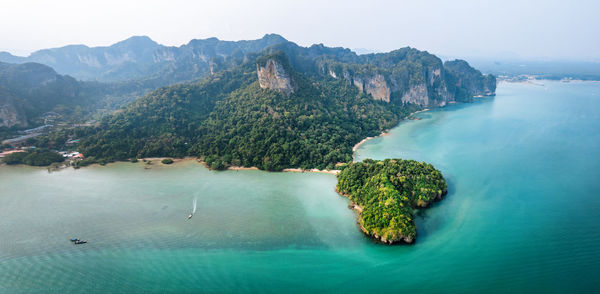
(286, 106)
(30, 91)
(33, 94)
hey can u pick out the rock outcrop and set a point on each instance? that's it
(273, 75)
(377, 87)
(416, 94)
(412, 76)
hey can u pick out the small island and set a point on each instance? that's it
(385, 194)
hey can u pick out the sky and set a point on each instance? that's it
(461, 28)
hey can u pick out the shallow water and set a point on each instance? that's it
(521, 215)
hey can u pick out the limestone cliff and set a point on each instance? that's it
(416, 94)
(377, 87)
(372, 84)
(411, 76)
(272, 75)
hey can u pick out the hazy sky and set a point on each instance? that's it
(553, 29)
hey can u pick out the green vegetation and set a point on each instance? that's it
(38, 157)
(229, 120)
(86, 161)
(387, 192)
(167, 161)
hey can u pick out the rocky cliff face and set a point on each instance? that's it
(377, 87)
(273, 75)
(374, 85)
(416, 94)
(412, 76)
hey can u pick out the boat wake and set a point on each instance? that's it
(193, 209)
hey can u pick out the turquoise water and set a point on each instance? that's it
(522, 214)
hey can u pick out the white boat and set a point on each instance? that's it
(193, 210)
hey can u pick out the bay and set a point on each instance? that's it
(522, 214)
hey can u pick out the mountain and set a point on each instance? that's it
(29, 91)
(140, 58)
(286, 106)
(128, 68)
(406, 75)
(11, 110)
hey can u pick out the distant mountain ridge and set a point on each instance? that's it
(139, 58)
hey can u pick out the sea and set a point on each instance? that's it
(522, 214)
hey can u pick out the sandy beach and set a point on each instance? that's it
(289, 170)
(314, 170)
(383, 134)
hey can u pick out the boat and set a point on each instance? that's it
(193, 210)
(77, 241)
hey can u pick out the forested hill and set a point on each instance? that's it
(29, 91)
(288, 106)
(385, 193)
(33, 94)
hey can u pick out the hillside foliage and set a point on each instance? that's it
(388, 191)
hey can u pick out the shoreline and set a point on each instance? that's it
(285, 170)
(147, 162)
(289, 170)
(384, 133)
(151, 160)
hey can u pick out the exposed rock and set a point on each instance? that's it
(398, 239)
(378, 88)
(347, 77)
(374, 85)
(359, 83)
(272, 75)
(409, 76)
(332, 74)
(417, 94)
